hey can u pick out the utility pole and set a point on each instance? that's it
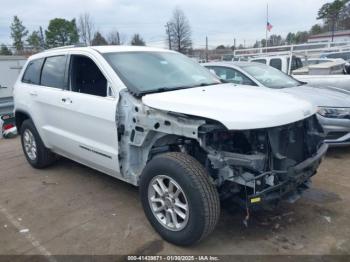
(234, 46)
(168, 33)
(267, 21)
(206, 48)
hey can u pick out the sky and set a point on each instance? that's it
(220, 20)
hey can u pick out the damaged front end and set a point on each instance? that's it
(263, 166)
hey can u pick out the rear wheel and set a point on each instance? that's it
(34, 149)
(179, 199)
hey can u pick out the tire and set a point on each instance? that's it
(199, 193)
(43, 157)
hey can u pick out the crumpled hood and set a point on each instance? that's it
(328, 96)
(237, 107)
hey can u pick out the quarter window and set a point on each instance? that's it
(53, 72)
(32, 73)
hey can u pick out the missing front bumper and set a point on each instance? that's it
(297, 179)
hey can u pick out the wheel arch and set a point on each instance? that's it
(20, 117)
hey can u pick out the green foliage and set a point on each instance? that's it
(316, 29)
(301, 37)
(61, 32)
(98, 39)
(290, 39)
(335, 14)
(220, 47)
(18, 32)
(331, 10)
(4, 50)
(34, 40)
(137, 40)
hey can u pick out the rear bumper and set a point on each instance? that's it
(296, 179)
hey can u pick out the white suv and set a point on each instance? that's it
(158, 120)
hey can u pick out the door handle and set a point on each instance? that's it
(66, 100)
(33, 93)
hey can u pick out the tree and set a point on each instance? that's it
(179, 32)
(18, 33)
(240, 46)
(275, 40)
(316, 29)
(290, 39)
(4, 50)
(220, 47)
(34, 40)
(61, 32)
(98, 39)
(114, 38)
(137, 40)
(301, 37)
(331, 12)
(256, 44)
(86, 28)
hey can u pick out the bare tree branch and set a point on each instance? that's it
(179, 32)
(86, 28)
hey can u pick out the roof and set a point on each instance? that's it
(329, 34)
(127, 48)
(100, 49)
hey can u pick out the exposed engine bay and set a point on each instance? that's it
(251, 166)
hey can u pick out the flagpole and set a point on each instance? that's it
(267, 20)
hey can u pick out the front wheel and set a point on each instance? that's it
(180, 200)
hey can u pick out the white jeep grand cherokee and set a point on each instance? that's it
(158, 120)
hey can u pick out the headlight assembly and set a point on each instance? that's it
(335, 112)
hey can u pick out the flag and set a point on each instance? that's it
(268, 26)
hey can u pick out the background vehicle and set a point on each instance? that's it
(334, 104)
(281, 62)
(170, 127)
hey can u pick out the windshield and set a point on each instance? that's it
(269, 76)
(149, 72)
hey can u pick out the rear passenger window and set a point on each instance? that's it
(32, 73)
(53, 72)
(276, 63)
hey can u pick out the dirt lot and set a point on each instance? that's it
(71, 209)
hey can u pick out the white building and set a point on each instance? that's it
(10, 67)
(339, 36)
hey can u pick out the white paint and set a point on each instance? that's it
(238, 108)
(328, 219)
(30, 238)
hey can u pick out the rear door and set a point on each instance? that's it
(88, 124)
(49, 109)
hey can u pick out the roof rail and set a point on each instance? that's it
(67, 46)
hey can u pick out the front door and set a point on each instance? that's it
(90, 131)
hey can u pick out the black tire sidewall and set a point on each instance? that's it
(40, 148)
(196, 222)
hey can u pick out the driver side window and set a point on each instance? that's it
(231, 75)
